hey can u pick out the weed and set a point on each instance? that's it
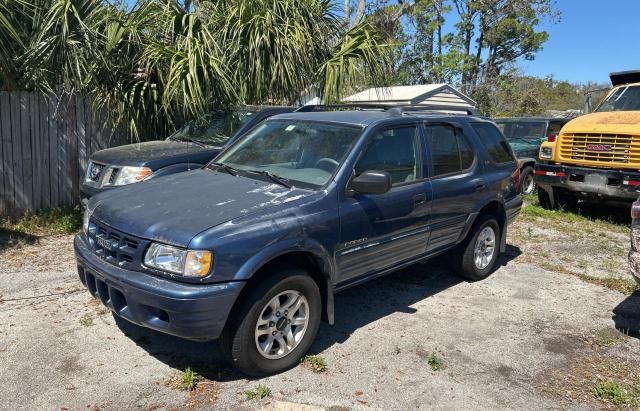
(607, 336)
(260, 392)
(435, 362)
(86, 320)
(49, 222)
(611, 390)
(315, 362)
(189, 379)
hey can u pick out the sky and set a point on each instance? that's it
(594, 38)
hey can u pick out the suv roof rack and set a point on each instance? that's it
(391, 108)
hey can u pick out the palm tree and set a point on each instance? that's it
(150, 66)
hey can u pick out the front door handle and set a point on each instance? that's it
(480, 185)
(419, 199)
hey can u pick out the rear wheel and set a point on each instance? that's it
(275, 325)
(477, 255)
(528, 184)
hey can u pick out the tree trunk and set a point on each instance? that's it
(359, 12)
(347, 12)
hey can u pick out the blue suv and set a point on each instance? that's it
(251, 249)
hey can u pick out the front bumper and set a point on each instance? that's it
(87, 191)
(589, 181)
(192, 311)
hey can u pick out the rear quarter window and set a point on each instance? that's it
(496, 145)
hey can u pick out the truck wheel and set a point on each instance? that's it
(545, 199)
(528, 185)
(275, 325)
(476, 256)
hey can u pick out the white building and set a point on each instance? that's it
(432, 94)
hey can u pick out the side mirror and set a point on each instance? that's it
(372, 182)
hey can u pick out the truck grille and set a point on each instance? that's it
(116, 247)
(610, 149)
(94, 172)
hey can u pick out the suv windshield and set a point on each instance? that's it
(528, 130)
(300, 153)
(213, 128)
(622, 99)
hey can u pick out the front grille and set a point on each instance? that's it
(609, 149)
(115, 246)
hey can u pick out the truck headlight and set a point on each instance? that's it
(128, 175)
(546, 153)
(189, 263)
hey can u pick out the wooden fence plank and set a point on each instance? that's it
(54, 172)
(27, 156)
(6, 172)
(16, 141)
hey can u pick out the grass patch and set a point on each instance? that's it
(435, 362)
(626, 286)
(314, 362)
(607, 336)
(189, 379)
(45, 223)
(260, 392)
(86, 320)
(617, 392)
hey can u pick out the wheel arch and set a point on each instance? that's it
(496, 209)
(310, 257)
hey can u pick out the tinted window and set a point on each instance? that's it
(554, 128)
(529, 130)
(394, 150)
(497, 147)
(450, 152)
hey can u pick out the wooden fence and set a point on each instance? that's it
(44, 149)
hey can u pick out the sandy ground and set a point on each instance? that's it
(524, 338)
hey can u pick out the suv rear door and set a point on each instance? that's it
(379, 231)
(456, 179)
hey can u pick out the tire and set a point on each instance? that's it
(240, 339)
(567, 200)
(545, 199)
(528, 185)
(465, 260)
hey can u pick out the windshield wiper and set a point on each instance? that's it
(227, 168)
(189, 140)
(273, 177)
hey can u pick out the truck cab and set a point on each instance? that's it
(596, 156)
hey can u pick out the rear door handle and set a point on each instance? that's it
(480, 185)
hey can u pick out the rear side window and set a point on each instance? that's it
(497, 146)
(450, 151)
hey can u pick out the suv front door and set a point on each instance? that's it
(380, 231)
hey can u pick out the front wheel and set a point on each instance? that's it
(528, 184)
(276, 324)
(477, 255)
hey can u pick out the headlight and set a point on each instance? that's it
(546, 152)
(129, 175)
(188, 263)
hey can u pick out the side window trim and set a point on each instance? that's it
(420, 160)
(460, 134)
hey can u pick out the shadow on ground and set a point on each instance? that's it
(354, 308)
(11, 238)
(626, 315)
(616, 213)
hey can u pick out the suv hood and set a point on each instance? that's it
(141, 154)
(614, 122)
(174, 209)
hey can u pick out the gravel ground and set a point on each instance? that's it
(526, 337)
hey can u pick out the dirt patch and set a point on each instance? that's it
(39, 254)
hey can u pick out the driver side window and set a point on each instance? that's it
(396, 151)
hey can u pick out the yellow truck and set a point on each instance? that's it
(596, 155)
